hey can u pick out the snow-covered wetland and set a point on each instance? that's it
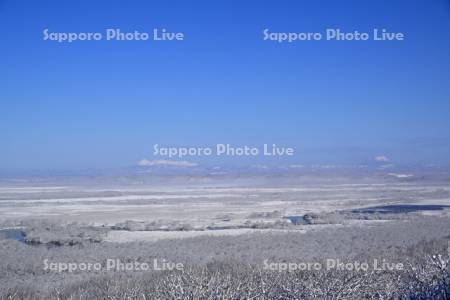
(223, 227)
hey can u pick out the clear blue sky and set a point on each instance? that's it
(104, 104)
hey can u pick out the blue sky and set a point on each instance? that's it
(104, 104)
